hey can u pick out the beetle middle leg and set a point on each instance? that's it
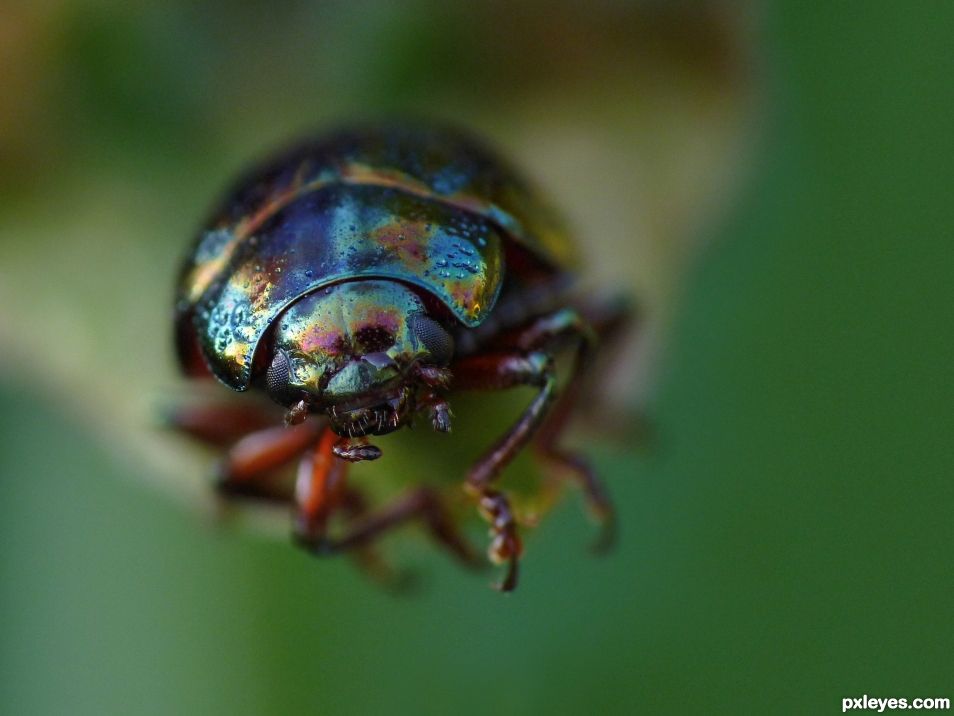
(531, 365)
(496, 371)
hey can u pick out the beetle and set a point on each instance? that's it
(358, 280)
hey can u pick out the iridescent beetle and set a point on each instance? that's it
(358, 280)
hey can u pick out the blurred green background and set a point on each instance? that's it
(777, 180)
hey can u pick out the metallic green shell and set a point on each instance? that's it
(428, 207)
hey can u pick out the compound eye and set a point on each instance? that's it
(433, 336)
(276, 379)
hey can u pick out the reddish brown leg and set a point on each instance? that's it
(321, 489)
(254, 458)
(355, 506)
(421, 503)
(504, 370)
(218, 423)
(496, 371)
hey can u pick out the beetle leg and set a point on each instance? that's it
(506, 545)
(568, 324)
(355, 506)
(496, 371)
(605, 322)
(218, 423)
(436, 381)
(321, 489)
(422, 503)
(608, 320)
(257, 454)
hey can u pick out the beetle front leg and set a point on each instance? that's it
(217, 423)
(496, 372)
(321, 490)
(320, 487)
(252, 459)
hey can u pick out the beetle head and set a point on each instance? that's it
(354, 351)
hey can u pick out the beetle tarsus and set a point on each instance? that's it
(505, 547)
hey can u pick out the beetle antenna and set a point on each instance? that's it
(297, 413)
(433, 376)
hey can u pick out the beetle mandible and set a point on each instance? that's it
(358, 280)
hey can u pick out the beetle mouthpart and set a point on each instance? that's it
(382, 416)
